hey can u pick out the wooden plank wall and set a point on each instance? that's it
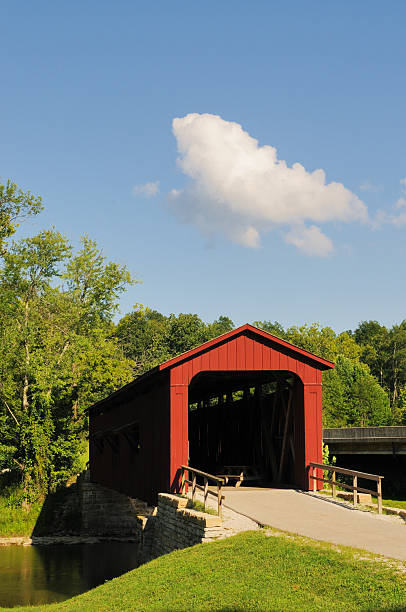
(139, 474)
(247, 353)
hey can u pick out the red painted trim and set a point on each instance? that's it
(240, 330)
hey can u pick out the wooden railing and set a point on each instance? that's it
(354, 488)
(205, 488)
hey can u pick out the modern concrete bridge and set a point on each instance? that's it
(366, 440)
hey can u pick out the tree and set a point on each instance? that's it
(142, 336)
(396, 365)
(373, 339)
(352, 397)
(185, 331)
(60, 357)
(149, 337)
(401, 411)
(323, 341)
(95, 284)
(15, 205)
(221, 326)
(275, 328)
(384, 351)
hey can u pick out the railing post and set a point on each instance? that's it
(206, 488)
(333, 484)
(379, 487)
(183, 484)
(314, 480)
(219, 500)
(193, 486)
(354, 492)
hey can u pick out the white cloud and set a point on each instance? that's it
(310, 240)
(400, 203)
(241, 189)
(149, 190)
(368, 186)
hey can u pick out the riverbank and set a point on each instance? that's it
(51, 540)
(258, 570)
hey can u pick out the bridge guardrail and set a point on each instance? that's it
(205, 488)
(354, 488)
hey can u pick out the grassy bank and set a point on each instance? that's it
(14, 519)
(19, 520)
(249, 572)
(394, 503)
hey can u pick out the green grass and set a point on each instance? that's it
(199, 506)
(392, 503)
(15, 521)
(250, 572)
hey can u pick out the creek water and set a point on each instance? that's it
(33, 575)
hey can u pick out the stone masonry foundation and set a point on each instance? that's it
(89, 513)
(177, 526)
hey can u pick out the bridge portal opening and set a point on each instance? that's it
(252, 419)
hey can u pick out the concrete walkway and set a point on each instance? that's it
(321, 519)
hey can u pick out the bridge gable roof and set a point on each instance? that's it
(258, 334)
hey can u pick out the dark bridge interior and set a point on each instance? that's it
(243, 419)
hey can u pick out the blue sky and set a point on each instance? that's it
(89, 91)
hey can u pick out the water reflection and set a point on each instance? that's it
(33, 575)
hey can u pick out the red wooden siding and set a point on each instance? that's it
(139, 474)
(247, 352)
(158, 402)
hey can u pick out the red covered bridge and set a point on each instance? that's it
(244, 398)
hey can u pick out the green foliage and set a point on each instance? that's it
(401, 407)
(15, 205)
(142, 337)
(6, 456)
(327, 460)
(274, 328)
(57, 353)
(373, 340)
(220, 326)
(60, 350)
(149, 337)
(351, 394)
(384, 351)
(16, 519)
(95, 284)
(321, 341)
(352, 397)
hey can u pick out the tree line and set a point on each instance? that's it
(359, 392)
(61, 349)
